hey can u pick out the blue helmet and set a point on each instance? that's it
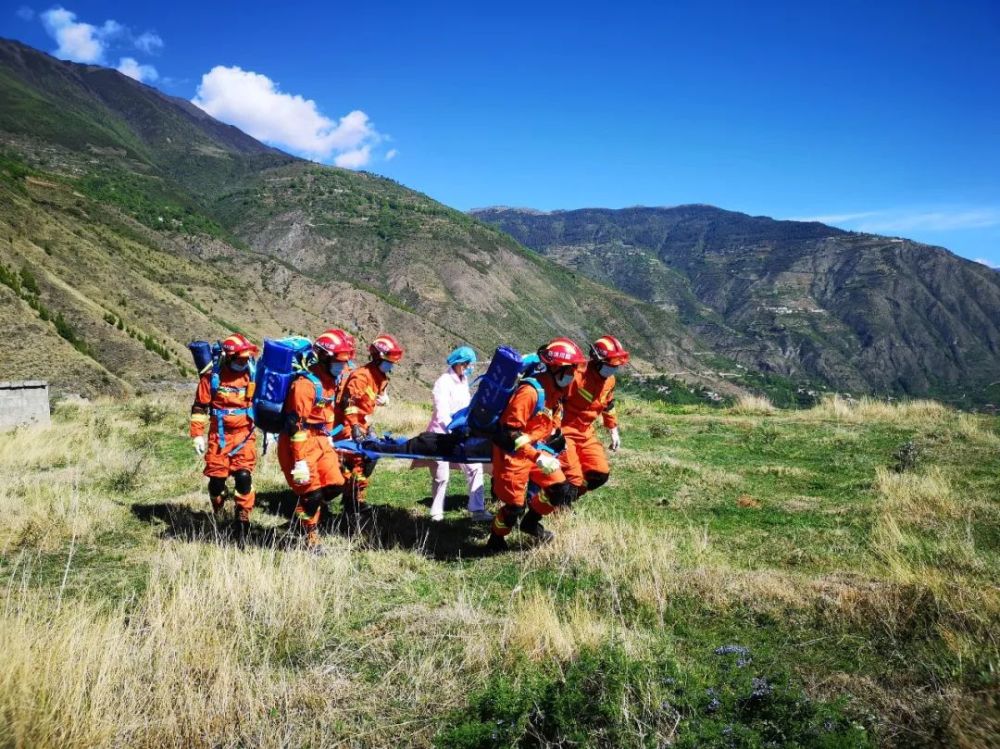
(461, 355)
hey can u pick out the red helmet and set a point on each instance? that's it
(238, 345)
(335, 343)
(561, 352)
(609, 350)
(385, 347)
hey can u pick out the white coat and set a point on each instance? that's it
(451, 395)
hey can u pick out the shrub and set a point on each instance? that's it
(752, 405)
(605, 697)
(152, 413)
(29, 282)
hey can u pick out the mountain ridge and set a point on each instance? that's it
(106, 182)
(895, 322)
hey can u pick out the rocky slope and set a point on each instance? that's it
(132, 222)
(854, 311)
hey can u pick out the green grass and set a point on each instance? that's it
(765, 537)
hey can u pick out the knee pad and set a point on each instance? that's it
(368, 467)
(244, 481)
(311, 502)
(216, 486)
(332, 492)
(595, 480)
(561, 495)
(511, 513)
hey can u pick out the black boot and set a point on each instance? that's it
(496, 544)
(241, 530)
(531, 524)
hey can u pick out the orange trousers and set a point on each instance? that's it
(356, 488)
(584, 455)
(319, 455)
(324, 473)
(511, 476)
(221, 465)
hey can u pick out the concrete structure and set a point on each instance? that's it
(24, 403)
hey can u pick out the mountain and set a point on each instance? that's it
(854, 311)
(132, 222)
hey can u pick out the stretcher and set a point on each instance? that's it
(454, 448)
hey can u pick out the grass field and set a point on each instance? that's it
(748, 578)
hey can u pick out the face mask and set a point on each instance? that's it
(606, 371)
(564, 379)
(337, 367)
(469, 371)
(385, 366)
(239, 365)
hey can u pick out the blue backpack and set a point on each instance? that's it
(281, 362)
(507, 371)
(208, 357)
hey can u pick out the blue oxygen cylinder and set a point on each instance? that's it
(280, 363)
(201, 352)
(493, 393)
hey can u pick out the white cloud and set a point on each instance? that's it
(78, 41)
(836, 218)
(148, 42)
(131, 67)
(392, 153)
(946, 218)
(355, 159)
(988, 263)
(84, 42)
(25, 13)
(255, 104)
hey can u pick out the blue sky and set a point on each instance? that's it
(879, 116)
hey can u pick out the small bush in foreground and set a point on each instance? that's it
(605, 697)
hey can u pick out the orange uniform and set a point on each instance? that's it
(308, 439)
(357, 401)
(232, 449)
(522, 425)
(584, 461)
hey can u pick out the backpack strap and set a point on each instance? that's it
(221, 413)
(540, 403)
(318, 386)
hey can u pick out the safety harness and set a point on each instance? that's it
(220, 414)
(321, 400)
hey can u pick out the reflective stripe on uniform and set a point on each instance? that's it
(587, 395)
(350, 410)
(299, 437)
(520, 441)
(199, 418)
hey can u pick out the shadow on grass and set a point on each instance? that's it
(185, 523)
(451, 502)
(384, 527)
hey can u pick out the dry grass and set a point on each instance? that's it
(921, 498)
(371, 646)
(197, 661)
(752, 405)
(539, 630)
(53, 480)
(870, 410)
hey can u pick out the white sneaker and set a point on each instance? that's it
(481, 516)
(437, 518)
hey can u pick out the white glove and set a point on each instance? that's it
(382, 399)
(300, 472)
(200, 444)
(547, 462)
(616, 440)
